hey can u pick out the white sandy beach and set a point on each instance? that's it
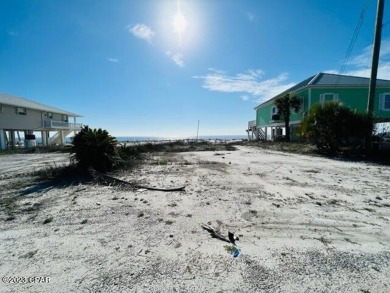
(306, 224)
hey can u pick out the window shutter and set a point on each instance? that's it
(335, 97)
(381, 98)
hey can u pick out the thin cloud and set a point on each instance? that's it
(383, 71)
(142, 31)
(216, 70)
(113, 60)
(251, 17)
(364, 59)
(360, 65)
(176, 57)
(331, 71)
(248, 83)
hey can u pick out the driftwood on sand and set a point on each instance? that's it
(217, 234)
(214, 233)
(107, 179)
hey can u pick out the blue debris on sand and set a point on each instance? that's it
(236, 252)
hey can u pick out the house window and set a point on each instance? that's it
(302, 109)
(65, 118)
(1, 108)
(275, 113)
(21, 111)
(328, 97)
(385, 102)
(50, 115)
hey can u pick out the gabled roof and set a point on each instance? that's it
(329, 79)
(29, 104)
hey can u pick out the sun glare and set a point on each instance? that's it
(179, 23)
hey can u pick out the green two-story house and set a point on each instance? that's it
(351, 91)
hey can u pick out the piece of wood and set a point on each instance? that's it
(214, 233)
(99, 176)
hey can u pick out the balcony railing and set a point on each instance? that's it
(251, 123)
(61, 125)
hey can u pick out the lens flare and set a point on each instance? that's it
(179, 23)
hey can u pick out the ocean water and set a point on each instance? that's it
(156, 139)
(153, 138)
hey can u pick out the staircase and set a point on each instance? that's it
(260, 134)
(56, 138)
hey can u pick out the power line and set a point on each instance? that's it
(354, 38)
(386, 23)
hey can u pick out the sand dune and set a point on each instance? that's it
(306, 224)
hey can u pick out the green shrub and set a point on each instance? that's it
(333, 127)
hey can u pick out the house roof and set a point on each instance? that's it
(6, 99)
(329, 79)
(344, 80)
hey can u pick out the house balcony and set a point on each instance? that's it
(61, 125)
(251, 124)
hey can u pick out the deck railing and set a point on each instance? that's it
(61, 125)
(251, 123)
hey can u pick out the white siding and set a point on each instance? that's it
(9, 119)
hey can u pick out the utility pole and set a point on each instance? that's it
(375, 56)
(197, 132)
(374, 68)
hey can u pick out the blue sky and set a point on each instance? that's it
(156, 67)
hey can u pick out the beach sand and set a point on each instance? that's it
(305, 224)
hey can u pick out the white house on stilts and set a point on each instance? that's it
(19, 115)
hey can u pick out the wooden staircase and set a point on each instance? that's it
(260, 134)
(56, 138)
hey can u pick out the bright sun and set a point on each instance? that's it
(179, 23)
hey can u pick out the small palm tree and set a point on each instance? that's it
(284, 105)
(94, 148)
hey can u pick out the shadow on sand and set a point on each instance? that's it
(59, 178)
